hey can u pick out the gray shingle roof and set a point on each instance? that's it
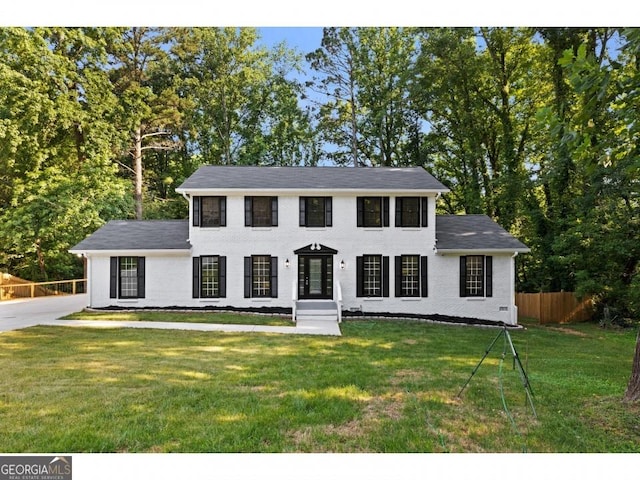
(334, 178)
(138, 235)
(474, 232)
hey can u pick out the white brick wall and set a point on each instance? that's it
(169, 278)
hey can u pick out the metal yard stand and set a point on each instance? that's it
(504, 333)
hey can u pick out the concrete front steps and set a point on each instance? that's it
(317, 310)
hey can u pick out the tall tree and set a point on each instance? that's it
(244, 107)
(335, 61)
(58, 131)
(384, 73)
(478, 97)
(149, 108)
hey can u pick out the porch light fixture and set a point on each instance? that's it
(286, 263)
(342, 265)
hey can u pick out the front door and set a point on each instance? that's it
(315, 277)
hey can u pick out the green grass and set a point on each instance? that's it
(384, 386)
(188, 317)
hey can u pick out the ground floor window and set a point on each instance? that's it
(209, 276)
(476, 272)
(372, 276)
(127, 277)
(411, 276)
(261, 276)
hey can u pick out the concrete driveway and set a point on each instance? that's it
(17, 314)
(27, 312)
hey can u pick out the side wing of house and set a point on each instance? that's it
(476, 260)
(133, 264)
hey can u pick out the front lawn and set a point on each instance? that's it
(384, 386)
(182, 317)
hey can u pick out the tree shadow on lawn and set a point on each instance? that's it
(381, 387)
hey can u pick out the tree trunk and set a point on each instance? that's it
(633, 389)
(137, 166)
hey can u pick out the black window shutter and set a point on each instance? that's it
(303, 211)
(113, 277)
(247, 277)
(398, 213)
(385, 276)
(328, 211)
(488, 273)
(424, 276)
(196, 277)
(274, 277)
(360, 211)
(223, 211)
(398, 274)
(141, 276)
(247, 211)
(385, 211)
(274, 211)
(359, 276)
(425, 211)
(222, 281)
(463, 276)
(196, 211)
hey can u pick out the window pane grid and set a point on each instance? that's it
(128, 277)
(261, 272)
(474, 278)
(210, 277)
(410, 281)
(372, 276)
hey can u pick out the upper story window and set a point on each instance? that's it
(261, 211)
(316, 211)
(476, 276)
(209, 211)
(412, 211)
(373, 211)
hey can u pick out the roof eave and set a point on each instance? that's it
(175, 252)
(304, 190)
(463, 251)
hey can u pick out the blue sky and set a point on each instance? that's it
(303, 39)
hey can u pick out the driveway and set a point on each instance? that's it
(17, 314)
(27, 312)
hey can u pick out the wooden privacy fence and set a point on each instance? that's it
(554, 307)
(13, 287)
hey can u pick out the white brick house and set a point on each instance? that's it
(297, 239)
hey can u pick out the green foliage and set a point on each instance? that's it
(58, 133)
(535, 127)
(246, 109)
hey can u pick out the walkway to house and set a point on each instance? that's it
(24, 313)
